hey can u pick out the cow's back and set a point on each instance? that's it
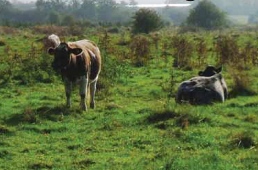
(92, 56)
(85, 45)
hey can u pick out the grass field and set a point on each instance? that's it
(136, 123)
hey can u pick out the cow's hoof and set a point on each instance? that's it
(84, 107)
(92, 105)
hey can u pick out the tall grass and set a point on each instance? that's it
(136, 124)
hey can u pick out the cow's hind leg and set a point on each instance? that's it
(68, 91)
(93, 86)
(83, 92)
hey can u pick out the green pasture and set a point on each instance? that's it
(136, 124)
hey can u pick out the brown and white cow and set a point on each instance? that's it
(78, 61)
(207, 88)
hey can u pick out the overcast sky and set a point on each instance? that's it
(139, 1)
(146, 1)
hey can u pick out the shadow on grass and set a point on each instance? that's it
(161, 116)
(37, 115)
(182, 120)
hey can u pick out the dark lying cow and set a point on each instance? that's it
(207, 88)
(78, 61)
(210, 71)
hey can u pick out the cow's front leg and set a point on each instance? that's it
(92, 94)
(68, 91)
(83, 92)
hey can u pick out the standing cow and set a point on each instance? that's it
(206, 88)
(78, 61)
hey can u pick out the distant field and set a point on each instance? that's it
(136, 123)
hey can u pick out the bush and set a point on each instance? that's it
(243, 140)
(241, 82)
(2, 43)
(183, 51)
(146, 20)
(140, 50)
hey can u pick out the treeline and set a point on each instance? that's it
(63, 12)
(235, 7)
(67, 12)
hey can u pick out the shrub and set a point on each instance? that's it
(2, 43)
(140, 50)
(202, 50)
(29, 116)
(241, 82)
(227, 50)
(146, 20)
(183, 51)
(243, 140)
(50, 29)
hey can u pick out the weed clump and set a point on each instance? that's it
(4, 153)
(2, 43)
(41, 165)
(161, 116)
(4, 130)
(29, 116)
(243, 140)
(183, 51)
(251, 119)
(241, 83)
(185, 120)
(85, 163)
(140, 50)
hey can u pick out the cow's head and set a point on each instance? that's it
(62, 55)
(210, 71)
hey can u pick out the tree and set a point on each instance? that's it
(5, 6)
(88, 10)
(146, 20)
(206, 15)
(106, 10)
(68, 20)
(54, 18)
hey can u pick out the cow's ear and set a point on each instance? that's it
(76, 51)
(218, 70)
(51, 51)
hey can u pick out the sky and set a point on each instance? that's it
(146, 1)
(138, 1)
